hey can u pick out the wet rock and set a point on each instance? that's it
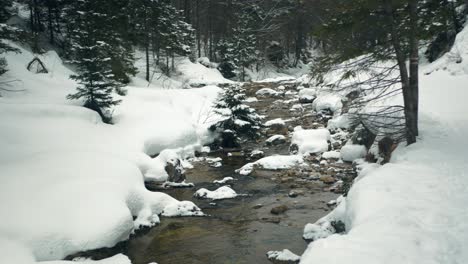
(257, 154)
(386, 147)
(294, 149)
(274, 220)
(327, 179)
(295, 193)
(277, 129)
(276, 140)
(229, 139)
(257, 206)
(175, 171)
(281, 209)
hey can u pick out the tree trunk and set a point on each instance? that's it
(147, 60)
(408, 94)
(414, 69)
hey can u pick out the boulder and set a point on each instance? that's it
(175, 171)
(281, 209)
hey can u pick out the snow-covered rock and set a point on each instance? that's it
(276, 140)
(267, 92)
(278, 162)
(352, 152)
(284, 256)
(331, 155)
(224, 192)
(330, 102)
(307, 95)
(277, 121)
(224, 180)
(311, 140)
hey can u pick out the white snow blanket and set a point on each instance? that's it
(70, 183)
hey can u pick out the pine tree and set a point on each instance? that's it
(239, 51)
(238, 117)
(92, 56)
(6, 33)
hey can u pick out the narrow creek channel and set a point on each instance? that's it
(237, 230)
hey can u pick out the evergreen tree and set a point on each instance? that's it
(238, 117)
(92, 56)
(6, 33)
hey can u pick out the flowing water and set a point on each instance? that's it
(236, 230)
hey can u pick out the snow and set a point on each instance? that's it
(284, 255)
(307, 94)
(275, 138)
(117, 259)
(251, 100)
(224, 192)
(311, 140)
(267, 92)
(331, 155)
(328, 101)
(277, 162)
(340, 122)
(196, 73)
(352, 152)
(277, 121)
(69, 182)
(413, 209)
(224, 180)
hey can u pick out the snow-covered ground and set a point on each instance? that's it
(69, 182)
(412, 210)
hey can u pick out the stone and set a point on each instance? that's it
(327, 179)
(257, 206)
(277, 129)
(281, 209)
(175, 171)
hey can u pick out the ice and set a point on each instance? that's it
(224, 192)
(311, 140)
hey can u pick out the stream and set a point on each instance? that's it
(237, 230)
(243, 229)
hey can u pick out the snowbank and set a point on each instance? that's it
(413, 209)
(68, 182)
(284, 255)
(311, 140)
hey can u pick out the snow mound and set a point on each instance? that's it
(185, 208)
(224, 192)
(57, 192)
(311, 140)
(196, 73)
(278, 162)
(351, 152)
